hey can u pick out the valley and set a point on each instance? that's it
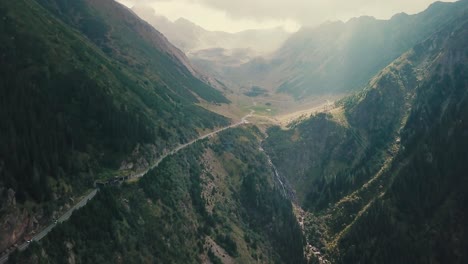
(131, 138)
(277, 109)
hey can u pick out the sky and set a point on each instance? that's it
(238, 15)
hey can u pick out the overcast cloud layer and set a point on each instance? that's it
(302, 12)
(315, 11)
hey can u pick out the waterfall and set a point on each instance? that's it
(286, 190)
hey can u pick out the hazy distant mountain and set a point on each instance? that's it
(191, 38)
(340, 57)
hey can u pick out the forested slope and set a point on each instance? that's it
(213, 201)
(422, 215)
(84, 85)
(382, 176)
(69, 107)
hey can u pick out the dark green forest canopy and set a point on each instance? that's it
(387, 185)
(85, 84)
(72, 103)
(163, 217)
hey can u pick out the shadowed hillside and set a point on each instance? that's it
(213, 202)
(84, 85)
(382, 176)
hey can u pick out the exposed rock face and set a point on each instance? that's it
(71, 256)
(11, 199)
(126, 166)
(15, 222)
(13, 226)
(33, 223)
(140, 158)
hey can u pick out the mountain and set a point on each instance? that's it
(213, 202)
(90, 94)
(192, 38)
(382, 177)
(88, 91)
(135, 43)
(339, 57)
(210, 51)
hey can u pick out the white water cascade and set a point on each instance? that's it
(285, 189)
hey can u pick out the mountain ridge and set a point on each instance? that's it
(340, 57)
(191, 37)
(374, 179)
(90, 93)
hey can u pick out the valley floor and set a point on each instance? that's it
(276, 109)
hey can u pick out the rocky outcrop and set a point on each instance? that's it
(11, 199)
(141, 158)
(14, 226)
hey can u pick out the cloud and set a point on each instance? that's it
(237, 15)
(209, 17)
(307, 12)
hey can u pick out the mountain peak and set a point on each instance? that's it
(439, 5)
(139, 8)
(401, 15)
(184, 21)
(361, 19)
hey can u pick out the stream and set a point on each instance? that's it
(287, 191)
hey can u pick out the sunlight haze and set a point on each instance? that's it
(235, 16)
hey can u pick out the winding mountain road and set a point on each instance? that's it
(45, 231)
(180, 147)
(87, 198)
